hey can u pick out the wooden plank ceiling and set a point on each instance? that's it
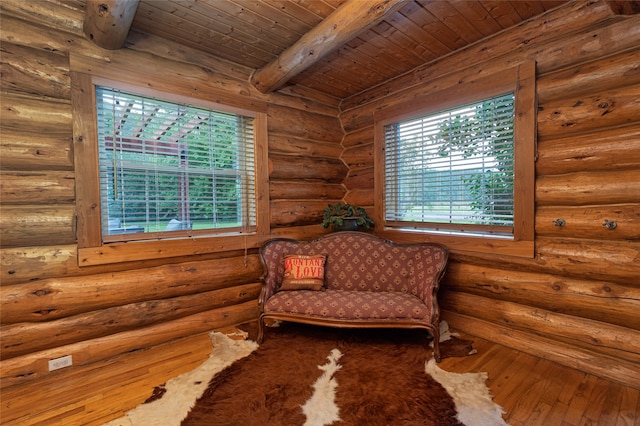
(253, 33)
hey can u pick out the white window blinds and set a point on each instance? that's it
(167, 167)
(453, 170)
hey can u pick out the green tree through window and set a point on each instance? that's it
(452, 167)
(484, 130)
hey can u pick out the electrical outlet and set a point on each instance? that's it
(58, 363)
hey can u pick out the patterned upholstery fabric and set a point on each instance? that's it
(349, 304)
(365, 278)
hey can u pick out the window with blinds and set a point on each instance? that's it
(452, 170)
(171, 168)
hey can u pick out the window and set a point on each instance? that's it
(168, 166)
(459, 166)
(161, 175)
(453, 169)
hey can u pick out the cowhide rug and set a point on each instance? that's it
(316, 376)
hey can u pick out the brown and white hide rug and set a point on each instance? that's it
(316, 376)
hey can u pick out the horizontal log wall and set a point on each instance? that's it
(577, 301)
(51, 307)
(305, 170)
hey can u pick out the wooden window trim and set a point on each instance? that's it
(91, 250)
(519, 79)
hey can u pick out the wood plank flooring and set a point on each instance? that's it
(535, 391)
(95, 394)
(532, 391)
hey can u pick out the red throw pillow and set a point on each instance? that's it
(302, 272)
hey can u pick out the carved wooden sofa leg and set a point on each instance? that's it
(435, 331)
(260, 329)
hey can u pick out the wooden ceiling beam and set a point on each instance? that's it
(345, 23)
(107, 22)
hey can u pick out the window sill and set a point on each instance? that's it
(479, 244)
(159, 249)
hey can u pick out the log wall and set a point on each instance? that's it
(577, 301)
(51, 307)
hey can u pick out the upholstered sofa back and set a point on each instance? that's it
(361, 261)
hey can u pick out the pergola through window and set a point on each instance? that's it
(166, 166)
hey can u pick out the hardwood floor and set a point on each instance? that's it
(532, 391)
(94, 394)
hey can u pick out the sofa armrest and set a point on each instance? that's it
(430, 264)
(270, 276)
(272, 256)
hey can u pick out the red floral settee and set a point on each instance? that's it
(367, 282)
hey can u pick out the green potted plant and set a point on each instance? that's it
(345, 217)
